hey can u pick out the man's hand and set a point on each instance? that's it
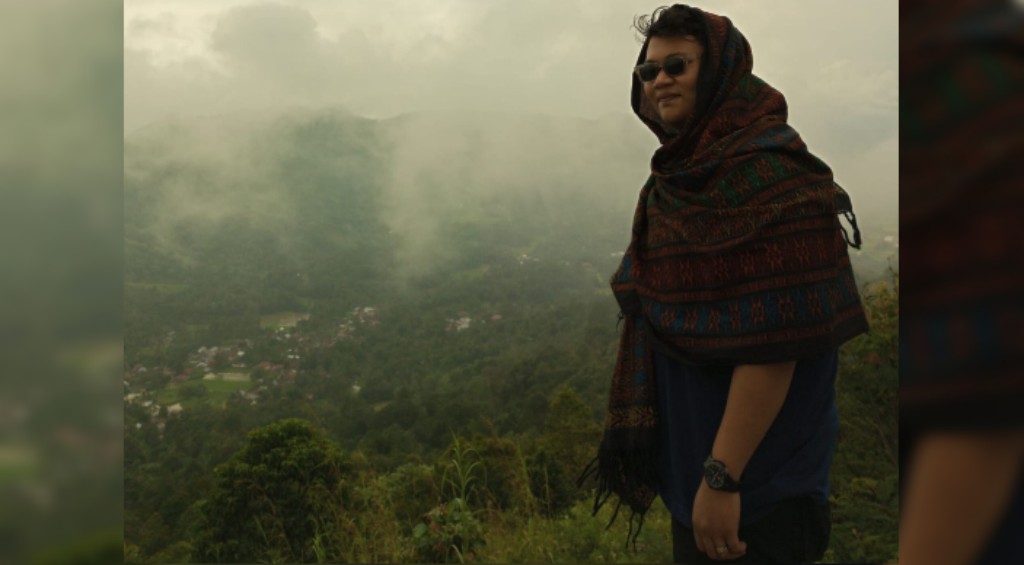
(716, 523)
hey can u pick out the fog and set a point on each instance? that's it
(473, 100)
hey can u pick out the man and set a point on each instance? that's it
(736, 291)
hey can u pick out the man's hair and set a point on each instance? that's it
(679, 20)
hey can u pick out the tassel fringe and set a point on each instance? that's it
(633, 478)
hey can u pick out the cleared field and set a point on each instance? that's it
(234, 377)
(162, 288)
(217, 391)
(282, 319)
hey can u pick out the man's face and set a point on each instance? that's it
(674, 97)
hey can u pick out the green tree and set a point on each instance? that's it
(553, 488)
(571, 435)
(569, 440)
(504, 478)
(274, 498)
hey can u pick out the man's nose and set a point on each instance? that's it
(662, 78)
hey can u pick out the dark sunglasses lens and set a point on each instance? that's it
(675, 66)
(648, 71)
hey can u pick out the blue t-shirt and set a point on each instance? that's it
(792, 460)
(1005, 545)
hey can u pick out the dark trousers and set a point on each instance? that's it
(795, 531)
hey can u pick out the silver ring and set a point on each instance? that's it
(722, 549)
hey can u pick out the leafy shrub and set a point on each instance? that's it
(452, 530)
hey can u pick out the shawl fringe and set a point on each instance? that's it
(624, 473)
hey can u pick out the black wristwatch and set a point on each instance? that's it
(717, 476)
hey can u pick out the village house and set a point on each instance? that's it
(460, 324)
(366, 315)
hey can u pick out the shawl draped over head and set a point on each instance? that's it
(737, 255)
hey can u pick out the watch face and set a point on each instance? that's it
(715, 475)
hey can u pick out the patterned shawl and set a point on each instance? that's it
(960, 121)
(737, 256)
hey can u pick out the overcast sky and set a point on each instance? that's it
(836, 62)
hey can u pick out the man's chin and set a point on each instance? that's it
(672, 119)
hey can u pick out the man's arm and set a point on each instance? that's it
(959, 487)
(756, 395)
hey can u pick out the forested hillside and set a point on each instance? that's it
(362, 340)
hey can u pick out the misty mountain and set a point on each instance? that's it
(415, 192)
(232, 217)
(312, 194)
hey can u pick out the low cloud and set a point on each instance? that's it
(496, 96)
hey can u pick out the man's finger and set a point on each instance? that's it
(735, 545)
(719, 549)
(710, 547)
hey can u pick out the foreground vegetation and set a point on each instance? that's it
(289, 492)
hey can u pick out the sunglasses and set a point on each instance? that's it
(674, 66)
